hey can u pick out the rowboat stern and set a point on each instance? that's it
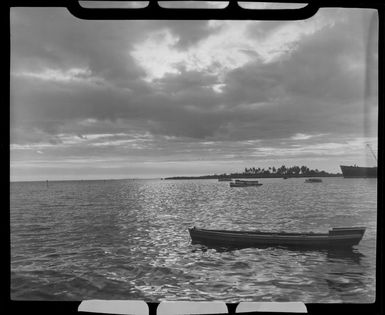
(352, 235)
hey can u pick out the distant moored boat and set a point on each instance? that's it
(358, 171)
(313, 180)
(224, 179)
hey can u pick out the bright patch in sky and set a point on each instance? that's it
(72, 74)
(301, 136)
(157, 55)
(230, 46)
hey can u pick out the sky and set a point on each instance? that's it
(145, 99)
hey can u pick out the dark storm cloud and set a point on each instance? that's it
(317, 88)
(53, 38)
(50, 106)
(45, 38)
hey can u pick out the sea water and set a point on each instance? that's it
(128, 239)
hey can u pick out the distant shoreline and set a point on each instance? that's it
(251, 176)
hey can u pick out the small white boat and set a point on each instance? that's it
(245, 183)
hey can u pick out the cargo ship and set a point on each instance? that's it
(358, 171)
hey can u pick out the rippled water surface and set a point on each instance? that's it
(128, 239)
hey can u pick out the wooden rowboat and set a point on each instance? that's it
(336, 237)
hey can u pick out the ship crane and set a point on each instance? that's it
(372, 152)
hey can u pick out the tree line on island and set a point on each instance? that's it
(285, 171)
(269, 172)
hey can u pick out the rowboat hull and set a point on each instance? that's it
(337, 237)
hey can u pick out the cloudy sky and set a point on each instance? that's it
(129, 99)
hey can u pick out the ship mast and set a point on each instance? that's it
(372, 152)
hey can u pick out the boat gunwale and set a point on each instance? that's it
(349, 233)
(253, 233)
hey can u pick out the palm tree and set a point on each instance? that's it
(304, 169)
(296, 170)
